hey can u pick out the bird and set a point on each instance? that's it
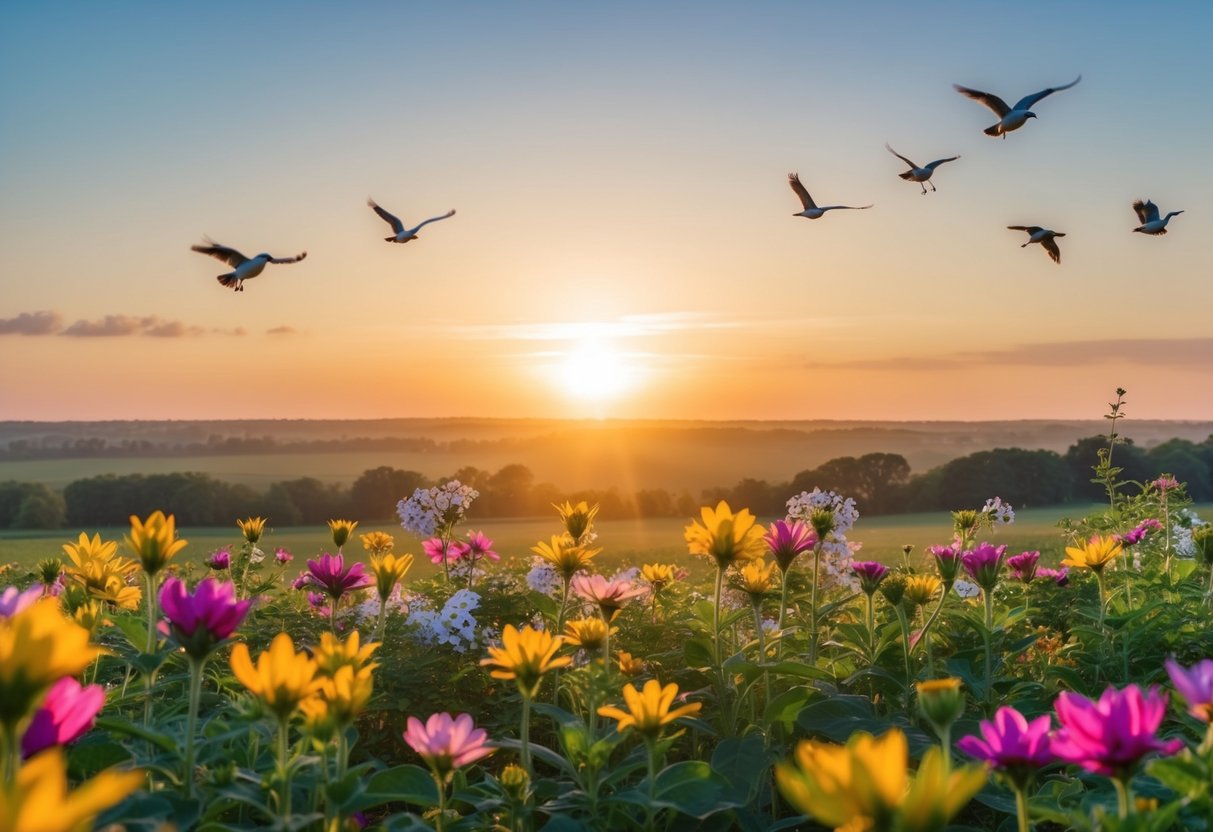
(400, 234)
(918, 174)
(1045, 236)
(243, 268)
(1147, 215)
(811, 209)
(1010, 118)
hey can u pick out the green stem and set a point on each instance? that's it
(1102, 596)
(905, 644)
(985, 635)
(762, 647)
(440, 821)
(524, 736)
(649, 815)
(813, 605)
(871, 619)
(343, 753)
(284, 776)
(10, 758)
(716, 619)
(1021, 810)
(149, 582)
(783, 609)
(1124, 796)
(191, 724)
(333, 615)
(379, 628)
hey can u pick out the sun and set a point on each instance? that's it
(593, 370)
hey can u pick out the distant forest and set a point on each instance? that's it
(881, 483)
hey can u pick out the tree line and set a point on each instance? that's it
(881, 483)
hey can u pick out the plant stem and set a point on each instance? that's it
(10, 753)
(333, 616)
(649, 814)
(440, 821)
(783, 608)
(379, 628)
(716, 620)
(871, 629)
(986, 633)
(191, 723)
(284, 778)
(762, 648)
(1102, 596)
(1021, 810)
(905, 644)
(524, 736)
(813, 604)
(1124, 797)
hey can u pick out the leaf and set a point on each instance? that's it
(690, 788)
(402, 784)
(116, 725)
(744, 764)
(697, 653)
(1184, 776)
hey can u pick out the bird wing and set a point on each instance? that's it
(1031, 229)
(390, 219)
(899, 156)
(294, 259)
(1027, 101)
(851, 207)
(805, 199)
(995, 103)
(1146, 211)
(228, 255)
(939, 162)
(1050, 245)
(448, 214)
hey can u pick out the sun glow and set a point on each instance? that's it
(594, 370)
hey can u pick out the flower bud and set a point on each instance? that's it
(941, 702)
(515, 782)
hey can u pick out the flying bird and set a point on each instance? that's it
(1045, 236)
(400, 234)
(244, 268)
(811, 209)
(921, 175)
(1010, 118)
(1147, 215)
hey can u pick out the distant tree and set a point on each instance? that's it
(1183, 460)
(1022, 477)
(41, 508)
(507, 492)
(872, 479)
(376, 492)
(1082, 457)
(654, 502)
(316, 501)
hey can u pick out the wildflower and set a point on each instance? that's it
(198, 622)
(220, 559)
(50, 572)
(630, 665)
(1166, 483)
(587, 633)
(333, 654)
(648, 710)
(447, 743)
(377, 543)
(1012, 745)
(103, 574)
(65, 715)
(1110, 736)
(756, 579)
(965, 589)
(283, 556)
(726, 537)
(1095, 554)
(1202, 542)
(439, 550)
(13, 600)
(515, 782)
(565, 556)
(983, 563)
(578, 519)
(331, 576)
(37, 800)
(154, 541)
(346, 693)
(435, 510)
(870, 575)
(842, 510)
(1138, 532)
(788, 540)
(542, 578)
(479, 546)
(964, 525)
(1023, 565)
(281, 679)
(389, 570)
(252, 528)
(921, 589)
(1195, 685)
(947, 562)
(38, 646)
(659, 575)
(998, 513)
(342, 529)
(893, 587)
(90, 615)
(941, 701)
(1059, 576)
(524, 656)
(610, 595)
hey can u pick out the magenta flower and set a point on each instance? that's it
(870, 574)
(439, 551)
(283, 556)
(1195, 685)
(331, 576)
(220, 559)
(478, 546)
(300, 582)
(1135, 535)
(1060, 576)
(200, 621)
(13, 600)
(788, 541)
(447, 743)
(1165, 483)
(610, 596)
(983, 564)
(1023, 566)
(947, 561)
(1110, 736)
(317, 600)
(67, 712)
(1012, 745)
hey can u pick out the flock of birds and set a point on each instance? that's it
(1009, 120)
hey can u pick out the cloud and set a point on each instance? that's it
(108, 327)
(282, 330)
(46, 322)
(1171, 352)
(625, 326)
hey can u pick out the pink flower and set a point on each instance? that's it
(610, 596)
(439, 552)
(331, 576)
(870, 574)
(947, 561)
(447, 743)
(220, 559)
(283, 556)
(1012, 744)
(1110, 737)
(64, 716)
(1195, 685)
(13, 600)
(983, 564)
(1165, 483)
(1135, 535)
(200, 621)
(1023, 566)
(479, 546)
(1060, 576)
(317, 600)
(787, 541)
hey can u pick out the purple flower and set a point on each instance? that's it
(200, 621)
(317, 600)
(787, 541)
(1110, 736)
(1165, 483)
(300, 582)
(1023, 566)
(283, 556)
(1135, 535)
(332, 577)
(1060, 576)
(439, 551)
(947, 561)
(983, 564)
(870, 574)
(1012, 745)
(67, 712)
(220, 559)
(1195, 685)
(13, 600)
(478, 546)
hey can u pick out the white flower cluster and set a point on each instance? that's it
(368, 611)
(998, 513)
(432, 509)
(837, 552)
(454, 625)
(1182, 524)
(543, 578)
(966, 589)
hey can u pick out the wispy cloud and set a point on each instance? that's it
(625, 326)
(1173, 352)
(46, 322)
(282, 330)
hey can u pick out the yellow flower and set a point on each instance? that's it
(334, 654)
(937, 795)
(377, 543)
(90, 549)
(318, 719)
(648, 711)
(102, 573)
(38, 646)
(524, 656)
(38, 800)
(940, 701)
(154, 541)
(629, 665)
(578, 519)
(756, 578)
(91, 616)
(252, 528)
(587, 633)
(281, 679)
(346, 693)
(388, 569)
(1095, 554)
(659, 575)
(725, 536)
(342, 529)
(565, 555)
(920, 589)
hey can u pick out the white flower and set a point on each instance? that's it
(965, 589)
(256, 556)
(432, 509)
(543, 578)
(998, 512)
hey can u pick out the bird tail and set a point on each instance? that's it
(991, 131)
(906, 176)
(229, 280)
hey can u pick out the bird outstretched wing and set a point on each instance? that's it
(1146, 211)
(805, 199)
(899, 156)
(1031, 229)
(848, 207)
(992, 101)
(228, 255)
(1027, 101)
(389, 218)
(294, 259)
(1050, 245)
(939, 162)
(447, 215)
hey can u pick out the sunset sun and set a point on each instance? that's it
(594, 370)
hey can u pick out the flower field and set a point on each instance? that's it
(763, 677)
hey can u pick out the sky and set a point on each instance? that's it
(624, 243)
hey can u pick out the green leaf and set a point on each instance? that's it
(744, 765)
(116, 725)
(1184, 776)
(697, 653)
(402, 784)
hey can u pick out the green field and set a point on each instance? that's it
(623, 541)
